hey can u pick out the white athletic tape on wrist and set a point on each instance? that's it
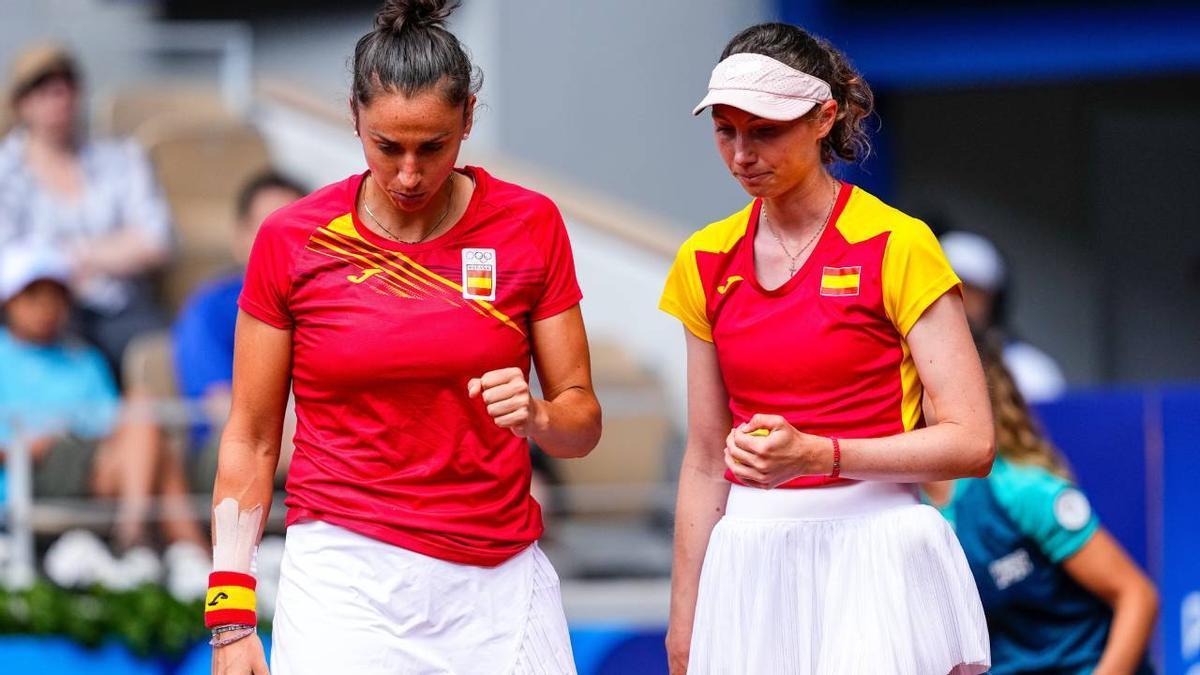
(235, 537)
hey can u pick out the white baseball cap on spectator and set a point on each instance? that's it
(975, 259)
(22, 265)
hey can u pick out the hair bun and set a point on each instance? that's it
(396, 15)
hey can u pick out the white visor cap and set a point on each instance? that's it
(762, 86)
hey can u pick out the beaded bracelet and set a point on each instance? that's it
(231, 636)
(837, 458)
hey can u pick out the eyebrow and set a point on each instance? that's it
(754, 119)
(384, 139)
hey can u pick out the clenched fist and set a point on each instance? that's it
(508, 400)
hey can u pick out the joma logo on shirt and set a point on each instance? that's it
(1011, 568)
(367, 274)
(724, 288)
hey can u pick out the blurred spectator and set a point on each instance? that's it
(982, 269)
(98, 201)
(1061, 595)
(58, 397)
(203, 334)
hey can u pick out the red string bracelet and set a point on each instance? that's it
(837, 458)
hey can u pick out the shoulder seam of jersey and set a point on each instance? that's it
(881, 219)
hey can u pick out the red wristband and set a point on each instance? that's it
(230, 599)
(837, 458)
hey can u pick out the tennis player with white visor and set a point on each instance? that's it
(817, 319)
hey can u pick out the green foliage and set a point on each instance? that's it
(146, 619)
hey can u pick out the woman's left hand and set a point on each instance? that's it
(772, 460)
(509, 401)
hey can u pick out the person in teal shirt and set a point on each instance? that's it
(1060, 594)
(58, 399)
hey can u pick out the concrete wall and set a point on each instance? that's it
(603, 91)
(1084, 186)
(599, 91)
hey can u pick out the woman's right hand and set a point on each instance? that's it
(678, 647)
(244, 657)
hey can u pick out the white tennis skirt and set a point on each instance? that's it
(843, 580)
(352, 604)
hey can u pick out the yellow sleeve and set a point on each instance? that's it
(683, 295)
(915, 274)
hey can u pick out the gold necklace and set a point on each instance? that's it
(793, 265)
(388, 230)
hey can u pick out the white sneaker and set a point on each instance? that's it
(78, 558)
(188, 566)
(138, 566)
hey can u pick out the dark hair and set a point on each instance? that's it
(64, 71)
(410, 51)
(268, 180)
(810, 54)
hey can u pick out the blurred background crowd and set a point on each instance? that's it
(1054, 149)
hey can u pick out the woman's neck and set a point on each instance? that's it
(804, 207)
(55, 164)
(46, 144)
(32, 338)
(413, 226)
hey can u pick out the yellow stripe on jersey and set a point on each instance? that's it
(914, 274)
(344, 227)
(684, 295)
(911, 390)
(915, 271)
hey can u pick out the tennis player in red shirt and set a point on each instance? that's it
(404, 306)
(817, 319)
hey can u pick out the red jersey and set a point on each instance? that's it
(826, 350)
(385, 337)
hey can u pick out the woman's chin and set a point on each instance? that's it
(409, 204)
(758, 187)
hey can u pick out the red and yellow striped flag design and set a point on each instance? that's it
(840, 280)
(479, 281)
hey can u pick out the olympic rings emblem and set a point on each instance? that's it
(479, 256)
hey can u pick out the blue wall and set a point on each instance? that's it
(1136, 454)
(941, 45)
(1103, 434)
(1179, 524)
(896, 46)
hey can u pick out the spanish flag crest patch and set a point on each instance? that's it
(479, 274)
(838, 281)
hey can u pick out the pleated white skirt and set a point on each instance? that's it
(352, 604)
(844, 580)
